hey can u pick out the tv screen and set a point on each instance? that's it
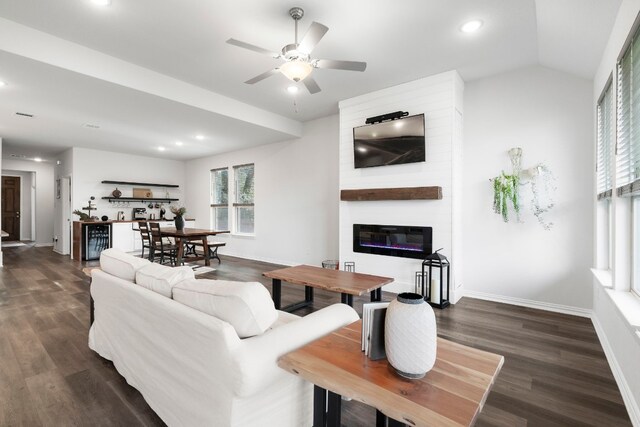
(390, 143)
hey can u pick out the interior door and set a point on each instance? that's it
(11, 207)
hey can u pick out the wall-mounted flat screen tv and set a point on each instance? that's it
(389, 143)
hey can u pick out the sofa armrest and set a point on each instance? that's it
(256, 358)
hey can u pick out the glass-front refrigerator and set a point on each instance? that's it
(95, 239)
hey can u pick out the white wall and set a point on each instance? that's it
(439, 97)
(62, 220)
(27, 198)
(619, 335)
(549, 115)
(296, 196)
(44, 196)
(91, 167)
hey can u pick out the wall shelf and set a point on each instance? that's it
(138, 199)
(403, 193)
(146, 184)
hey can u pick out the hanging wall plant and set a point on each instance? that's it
(506, 190)
(506, 194)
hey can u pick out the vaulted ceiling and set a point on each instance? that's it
(151, 73)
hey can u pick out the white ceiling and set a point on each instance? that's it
(185, 40)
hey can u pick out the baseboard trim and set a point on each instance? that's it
(627, 396)
(261, 259)
(557, 308)
(42, 245)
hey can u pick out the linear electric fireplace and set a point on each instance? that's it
(392, 240)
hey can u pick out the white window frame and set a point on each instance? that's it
(635, 245)
(605, 171)
(215, 206)
(237, 206)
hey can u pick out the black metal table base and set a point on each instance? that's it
(327, 407)
(277, 297)
(376, 295)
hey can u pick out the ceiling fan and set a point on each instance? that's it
(298, 63)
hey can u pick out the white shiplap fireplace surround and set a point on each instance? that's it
(440, 98)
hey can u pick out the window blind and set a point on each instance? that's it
(605, 138)
(628, 97)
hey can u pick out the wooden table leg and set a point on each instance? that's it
(276, 285)
(180, 251)
(205, 245)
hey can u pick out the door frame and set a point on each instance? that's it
(20, 202)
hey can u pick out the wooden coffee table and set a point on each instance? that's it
(451, 394)
(344, 282)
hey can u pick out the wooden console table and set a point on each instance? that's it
(451, 394)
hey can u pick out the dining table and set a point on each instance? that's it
(190, 235)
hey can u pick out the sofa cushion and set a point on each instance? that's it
(247, 306)
(161, 278)
(121, 264)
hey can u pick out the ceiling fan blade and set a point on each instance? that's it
(253, 48)
(341, 65)
(262, 76)
(313, 35)
(311, 85)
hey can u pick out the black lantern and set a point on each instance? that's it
(437, 280)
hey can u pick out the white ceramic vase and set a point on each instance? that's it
(410, 335)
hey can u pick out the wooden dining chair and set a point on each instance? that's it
(146, 238)
(161, 249)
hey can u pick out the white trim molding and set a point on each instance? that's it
(540, 305)
(623, 386)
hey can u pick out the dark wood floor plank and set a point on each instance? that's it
(555, 371)
(65, 356)
(30, 353)
(56, 405)
(99, 401)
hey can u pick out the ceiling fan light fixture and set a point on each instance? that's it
(471, 26)
(296, 70)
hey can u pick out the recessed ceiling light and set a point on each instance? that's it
(101, 2)
(2, 83)
(179, 143)
(161, 148)
(292, 89)
(471, 26)
(37, 159)
(199, 137)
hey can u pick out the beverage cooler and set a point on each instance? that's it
(95, 239)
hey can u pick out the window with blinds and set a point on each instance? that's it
(605, 139)
(628, 145)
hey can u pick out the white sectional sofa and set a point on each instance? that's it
(192, 367)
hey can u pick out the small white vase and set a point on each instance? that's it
(410, 335)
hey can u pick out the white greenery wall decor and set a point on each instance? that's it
(506, 190)
(543, 187)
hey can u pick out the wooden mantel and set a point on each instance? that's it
(403, 193)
